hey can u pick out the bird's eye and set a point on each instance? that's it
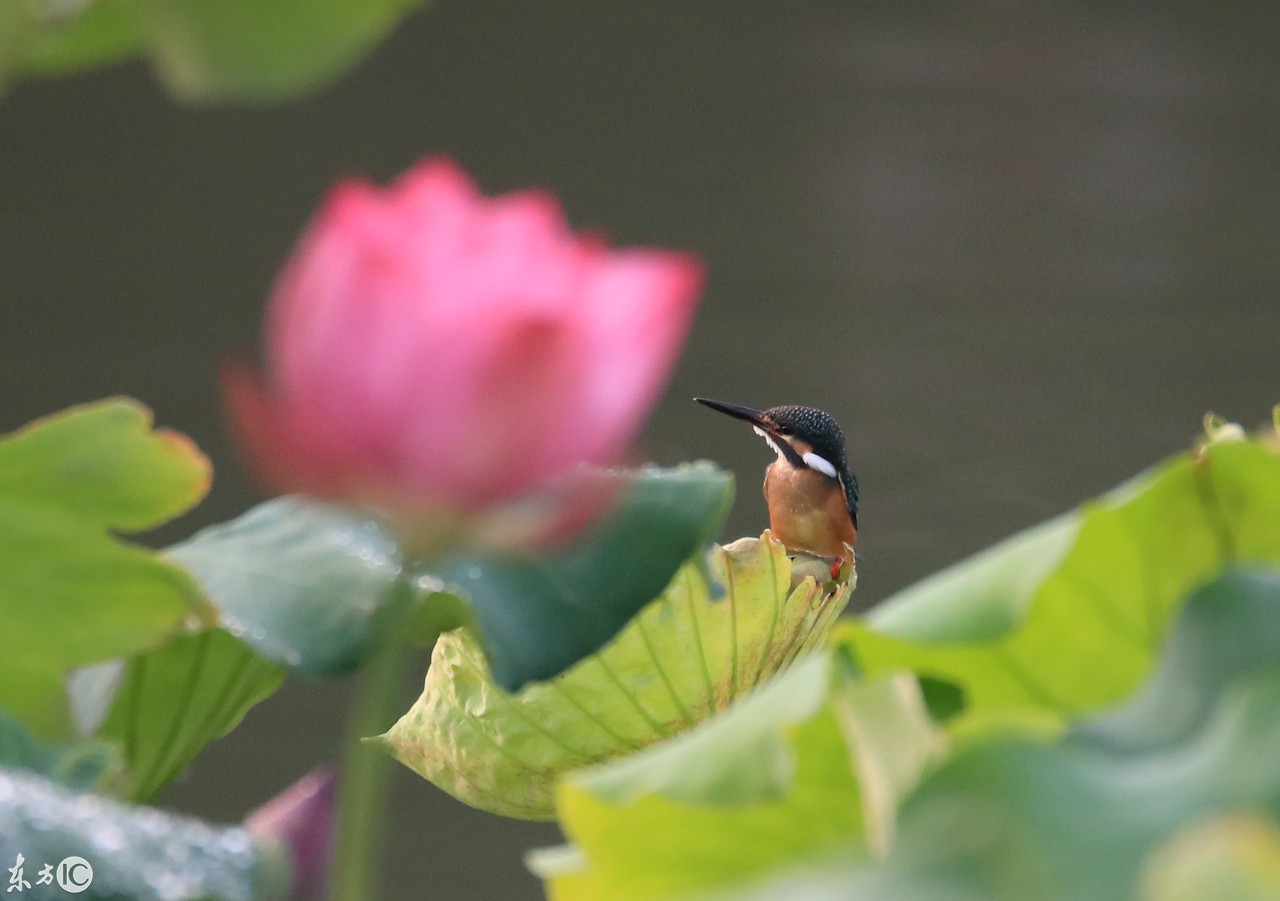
(783, 430)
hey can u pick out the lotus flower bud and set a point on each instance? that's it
(438, 354)
(300, 821)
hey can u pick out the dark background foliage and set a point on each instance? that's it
(1016, 250)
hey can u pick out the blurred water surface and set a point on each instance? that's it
(1017, 250)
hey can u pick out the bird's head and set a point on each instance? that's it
(802, 436)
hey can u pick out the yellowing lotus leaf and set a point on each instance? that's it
(688, 654)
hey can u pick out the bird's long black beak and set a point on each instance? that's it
(755, 417)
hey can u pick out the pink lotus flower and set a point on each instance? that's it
(434, 352)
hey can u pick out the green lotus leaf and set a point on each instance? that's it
(242, 50)
(72, 593)
(97, 33)
(685, 656)
(136, 853)
(313, 587)
(173, 701)
(1228, 633)
(811, 765)
(320, 588)
(1225, 858)
(248, 50)
(78, 766)
(1068, 617)
(1137, 804)
(538, 612)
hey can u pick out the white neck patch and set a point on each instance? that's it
(821, 464)
(769, 439)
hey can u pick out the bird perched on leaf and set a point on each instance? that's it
(811, 494)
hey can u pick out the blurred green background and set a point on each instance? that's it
(1017, 250)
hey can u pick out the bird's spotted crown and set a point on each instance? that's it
(815, 427)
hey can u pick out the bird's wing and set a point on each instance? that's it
(850, 486)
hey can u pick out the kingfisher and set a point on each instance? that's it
(811, 494)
